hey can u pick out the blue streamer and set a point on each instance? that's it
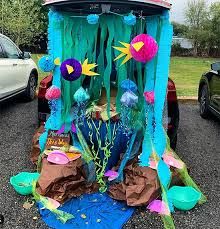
(147, 147)
(162, 73)
(55, 50)
(164, 173)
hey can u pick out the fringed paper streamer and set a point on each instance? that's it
(162, 74)
(86, 153)
(127, 156)
(147, 146)
(61, 215)
(55, 50)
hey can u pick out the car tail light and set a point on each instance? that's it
(44, 85)
(171, 95)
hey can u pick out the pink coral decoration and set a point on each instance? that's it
(53, 93)
(149, 96)
(159, 207)
(147, 52)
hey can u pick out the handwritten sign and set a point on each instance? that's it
(55, 140)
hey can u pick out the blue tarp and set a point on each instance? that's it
(91, 211)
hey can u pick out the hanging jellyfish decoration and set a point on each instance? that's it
(128, 102)
(81, 97)
(52, 95)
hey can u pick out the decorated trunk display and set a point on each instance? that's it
(105, 139)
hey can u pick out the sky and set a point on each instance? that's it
(177, 12)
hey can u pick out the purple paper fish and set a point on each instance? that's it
(73, 128)
(61, 130)
(112, 175)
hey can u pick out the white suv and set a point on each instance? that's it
(18, 72)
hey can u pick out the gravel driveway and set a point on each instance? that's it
(198, 145)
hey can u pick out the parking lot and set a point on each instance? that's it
(198, 145)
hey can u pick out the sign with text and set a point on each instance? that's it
(55, 140)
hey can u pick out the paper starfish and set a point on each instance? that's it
(86, 69)
(125, 51)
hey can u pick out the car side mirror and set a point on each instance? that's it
(25, 55)
(216, 67)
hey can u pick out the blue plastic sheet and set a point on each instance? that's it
(91, 211)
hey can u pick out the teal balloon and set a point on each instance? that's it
(183, 198)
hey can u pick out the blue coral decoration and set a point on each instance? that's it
(46, 64)
(130, 19)
(93, 19)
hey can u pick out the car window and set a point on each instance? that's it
(10, 49)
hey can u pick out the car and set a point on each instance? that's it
(209, 92)
(18, 72)
(172, 107)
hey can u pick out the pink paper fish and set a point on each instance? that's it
(158, 206)
(170, 160)
(153, 164)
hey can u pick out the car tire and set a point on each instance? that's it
(173, 143)
(31, 88)
(204, 102)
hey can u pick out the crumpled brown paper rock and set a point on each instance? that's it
(139, 187)
(62, 182)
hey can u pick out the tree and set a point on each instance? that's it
(179, 30)
(23, 21)
(196, 17)
(214, 13)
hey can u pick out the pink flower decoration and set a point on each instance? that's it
(159, 207)
(147, 52)
(149, 96)
(170, 160)
(53, 93)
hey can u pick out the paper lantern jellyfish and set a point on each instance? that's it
(142, 48)
(81, 97)
(128, 102)
(72, 69)
(53, 93)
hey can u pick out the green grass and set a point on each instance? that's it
(184, 71)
